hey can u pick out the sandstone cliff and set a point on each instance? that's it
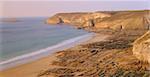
(118, 20)
(141, 48)
(77, 19)
(130, 20)
(112, 57)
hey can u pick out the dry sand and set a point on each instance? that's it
(30, 69)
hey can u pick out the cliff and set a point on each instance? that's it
(127, 20)
(77, 19)
(141, 48)
(118, 20)
(111, 57)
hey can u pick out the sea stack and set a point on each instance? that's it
(141, 48)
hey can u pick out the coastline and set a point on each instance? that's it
(32, 69)
(95, 55)
(33, 56)
(90, 58)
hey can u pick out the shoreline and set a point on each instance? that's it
(32, 69)
(33, 56)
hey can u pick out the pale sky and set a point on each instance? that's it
(34, 8)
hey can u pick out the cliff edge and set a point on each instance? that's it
(118, 20)
(77, 19)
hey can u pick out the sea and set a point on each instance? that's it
(31, 38)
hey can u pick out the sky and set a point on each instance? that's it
(38, 8)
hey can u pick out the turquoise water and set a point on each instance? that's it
(32, 34)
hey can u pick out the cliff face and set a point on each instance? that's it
(121, 20)
(77, 19)
(126, 21)
(141, 48)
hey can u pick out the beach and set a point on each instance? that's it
(70, 38)
(29, 69)
(107, 57)
(104, 54)
(32, 69)
(22, 59)
(90, 51)
(32, 36)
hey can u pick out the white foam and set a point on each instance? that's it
(43, 52)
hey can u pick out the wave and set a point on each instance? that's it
(44, 52)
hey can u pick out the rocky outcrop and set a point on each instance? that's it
(141, 48)
(108, 58)
(119, 20)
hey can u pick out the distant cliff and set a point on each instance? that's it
(9, 20)
(118, 20)
(128, 20)
(77, 19)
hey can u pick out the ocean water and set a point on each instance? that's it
(31, 35)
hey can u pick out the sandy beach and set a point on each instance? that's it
(32, 69)
(73, 38)
(111, 52)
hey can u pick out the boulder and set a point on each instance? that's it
(141, 48)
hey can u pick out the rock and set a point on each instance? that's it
(54, 20)
(141, 48)
(118, 21)
(77, 19)
(89, 23)
(117, 27)
(129, 20)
